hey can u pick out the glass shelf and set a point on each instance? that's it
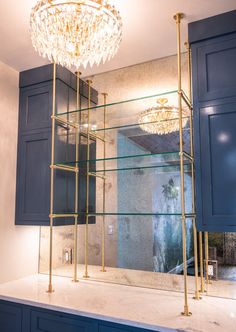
(119, 103)
(121, 115)
(133, 214)
(163, 160)
(135, 126)
(97, 214)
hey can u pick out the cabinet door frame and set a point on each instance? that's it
(204, 50)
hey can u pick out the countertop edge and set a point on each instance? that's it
(85, 314)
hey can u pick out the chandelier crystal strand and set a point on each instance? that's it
(161, 119)
(75, 33)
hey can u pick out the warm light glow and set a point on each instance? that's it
(75, 33)
(161, 119)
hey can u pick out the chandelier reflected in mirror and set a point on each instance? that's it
(77, 32)
(161, 119)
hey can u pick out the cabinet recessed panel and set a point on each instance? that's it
(33, 178)
(223, 163)
(36, 107)
(121, 328)
(10, 318)
(52, 322)
(218, 165)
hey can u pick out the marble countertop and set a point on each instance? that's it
(148, 308)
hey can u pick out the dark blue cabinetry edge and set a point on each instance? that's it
(212, 27)
(213, 44)
(45, 73)
(98, 325)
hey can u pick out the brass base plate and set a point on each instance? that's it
(179, 16)
(186, 314)
(50, 291)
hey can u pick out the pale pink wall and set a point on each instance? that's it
(19, 245)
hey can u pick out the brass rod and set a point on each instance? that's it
(206, 257)
(104, 182)
(188, 156)
(87, 185)
(190, 215)
(95, 175)
(178, 18)
(186, 100)
(65, 215)
(92, 135)
(202, 289)
(75, 278)
(197, 295)
(50, 287)
(65, 168)
(65, 122)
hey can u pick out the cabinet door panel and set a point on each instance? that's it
(36, 107)
(218, 165)
(50, 322)
(216, 69)
(10, 318)
(33, 179)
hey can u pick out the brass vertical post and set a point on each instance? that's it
(206, 257)
(89, 82)
(104, 182)
(197, 295)
(50, 287)
(202, 289)
(75, 278)
(178, 18)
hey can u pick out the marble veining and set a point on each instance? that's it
(148, 308)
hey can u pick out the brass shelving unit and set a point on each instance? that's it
(183, 160)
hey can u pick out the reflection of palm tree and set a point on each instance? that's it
(170, 191)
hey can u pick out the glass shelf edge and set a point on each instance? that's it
(120, 102)
(94, 214)
(137, 125)
(140, 168)
(121, 158)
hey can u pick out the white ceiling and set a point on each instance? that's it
(148, 31)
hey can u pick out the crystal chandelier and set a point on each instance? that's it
(76, 32)
(161, 119)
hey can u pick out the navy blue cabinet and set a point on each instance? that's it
(55, 322)
(34, 147)
(214, 101)
(22, 318)
(10, 317)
